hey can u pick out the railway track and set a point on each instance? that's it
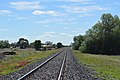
(58, 58)
(61, 66)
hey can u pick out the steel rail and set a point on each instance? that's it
(62, 66)
(30, 72)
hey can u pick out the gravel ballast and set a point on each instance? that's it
(48, 71)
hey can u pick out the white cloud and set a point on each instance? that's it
(25, 5)
(49, 20)
(48, 34)
(65, 34)
(37, 12)
(80, 1)
(74, 0)
(53, 13)
(79, 9)
(5, 12)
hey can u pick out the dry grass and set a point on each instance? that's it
(24, 57)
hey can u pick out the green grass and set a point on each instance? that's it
(24, 57)
(107, 67)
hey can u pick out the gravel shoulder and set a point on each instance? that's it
(75, 71)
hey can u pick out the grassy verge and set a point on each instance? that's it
(108, 67)
(15, 62)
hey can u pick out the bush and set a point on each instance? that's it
(59, 45)
(37, 44)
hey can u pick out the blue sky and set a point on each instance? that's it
(51, 20)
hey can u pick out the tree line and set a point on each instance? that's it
(102, 38)
(23, 43)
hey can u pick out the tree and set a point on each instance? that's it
(23, 43)
(13, 44)
(59, 45)
(4, 44)
(48, 43)
(53, 46)
(103, 37)
(37, 44)
(32, 45)
(77, 42)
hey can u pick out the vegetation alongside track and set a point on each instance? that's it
(102, 38)
(15, 62)
(108, 67)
